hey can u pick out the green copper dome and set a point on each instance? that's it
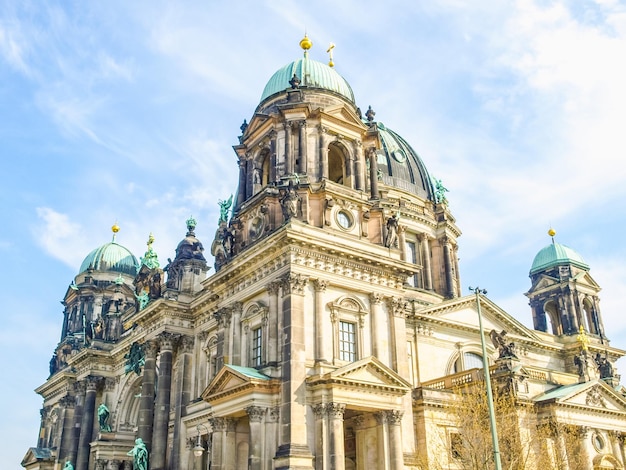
(111, 257)
(312, 74)
(556, 254)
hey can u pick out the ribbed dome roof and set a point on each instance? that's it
(556, 254)
(312, 74)
(111, 257)
(401, 166)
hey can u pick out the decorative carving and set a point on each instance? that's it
(391, 235)
(319, 410)
(320, 285)
(376, 298)
(335, 410)
(218, 424)
(381, 417)
(273, 287)
(394, 416)
(274, 414)
(290, 202)
(109, 384)
(92, 382)
(397, 306)
(294, 283)
(255, 413)
(605, 368)
(68, 401)
(167, 341)
(135, 359)
(186, 344)
(594, 398)
(295, 82)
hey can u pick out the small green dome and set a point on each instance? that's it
(111, 257)
(556, 254)
(312, 74)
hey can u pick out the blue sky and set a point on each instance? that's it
(128, 111)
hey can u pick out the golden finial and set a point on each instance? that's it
(582, 338)
(115, 228)
(330, 52)
(150, 240)
(306, 44)
(552, 233)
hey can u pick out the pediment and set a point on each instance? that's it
(365, 373)
(35, 454)
(341, 113)
(593, 394)
(462, 313)
(543, 282)
(235, 380)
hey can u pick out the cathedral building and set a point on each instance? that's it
(333, 331)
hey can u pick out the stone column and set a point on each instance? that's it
(320, 346)
(255, 446)
(359, 165)
(273, 176)
(616, 440)
(218, 425)
(162, 407)
(382, 440)
(303, 150)
(337, 454)
(402, 243)
(576, 318)
(241, 190)
(373, 174)
(585, 447)
(447, 260)
(378, 328)
(274, 331)
(146, 403)
(182, 395)
(289, 160)
(236, 332)
(293, 450)
(428, 276)
(321, 460)
(67, 403)
(323, 153)
(79, 390)
(271, 435)
(394, 421)
(43, 432)
(86, 426)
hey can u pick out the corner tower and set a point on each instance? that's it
(564, 296)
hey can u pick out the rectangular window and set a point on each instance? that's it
(347, 341)
(257, 344)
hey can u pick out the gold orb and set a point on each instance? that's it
(306, 43)
(552, 232)
(115, 228)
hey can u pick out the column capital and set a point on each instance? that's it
(256, 413)
(394, 416)
(79, 387)
(109, 383)
(320, 285)
(376, 298)
(151, 348)
(335, 410)
(294, 283)
(319, 410)
(68, 401)
(92, 383)
(397, 306)
(167, 341)
(273, 287)
(185, 346)
(381, 417)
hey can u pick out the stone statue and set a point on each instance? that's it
(68, 466)
(605, 368)
(142, 299)
(505, 349)
(224, 206)
(140, 455)
(289, 203)
(440, 192)
(135, 359)
(103, 418)
(391, 238)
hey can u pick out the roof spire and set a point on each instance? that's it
(330, 53)
(115, 228)
(306, 44)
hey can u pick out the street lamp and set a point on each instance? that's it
(492, 416)
(198, 449)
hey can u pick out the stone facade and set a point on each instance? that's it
(333, 332)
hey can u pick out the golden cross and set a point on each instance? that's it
(330, 52)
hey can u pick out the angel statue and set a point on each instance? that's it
(224, 206)
(505, 349)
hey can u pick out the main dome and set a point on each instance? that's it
(111, 257)
(312, 74)
(556, 254)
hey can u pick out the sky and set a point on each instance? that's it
(127, 112)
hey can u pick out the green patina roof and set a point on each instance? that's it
(111, 257)
(312, 74)
(556, 254)
(249, 372)
(560, 392)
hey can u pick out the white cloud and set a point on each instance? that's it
(60, 237)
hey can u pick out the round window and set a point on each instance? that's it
(344, 219)
(598, 442)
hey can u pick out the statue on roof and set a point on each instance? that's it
(393, 227)
(506, 349)
(224, 206)
(605, 368)
(440, 192)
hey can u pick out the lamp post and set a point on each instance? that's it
(492, 416)
(199, 449)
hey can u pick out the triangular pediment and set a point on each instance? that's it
(462, 313)
(594, 394)
(35, 454)
(235, 380)
(342, 114)
(369, 373)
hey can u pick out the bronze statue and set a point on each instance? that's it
(139, 454)
(505, 349)
(103, 418)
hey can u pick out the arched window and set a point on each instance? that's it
(468, 360)
(552, 314)
(336, 164)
